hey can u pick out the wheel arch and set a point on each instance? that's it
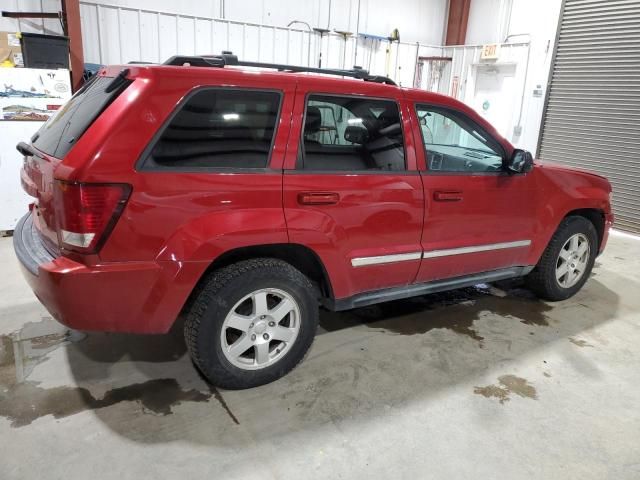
(299, 256)
(595, 216)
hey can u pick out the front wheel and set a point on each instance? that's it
(251, 323)
(567, 261)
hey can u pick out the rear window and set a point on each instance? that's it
(61, 132)
(218, 128)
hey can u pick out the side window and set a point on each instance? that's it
(219, 128)
(454, 144)
(351, 133)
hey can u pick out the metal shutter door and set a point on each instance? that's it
(592, 113)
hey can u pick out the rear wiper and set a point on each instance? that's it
(25, 149)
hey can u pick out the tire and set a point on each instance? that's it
(543, 279)
(256, 291)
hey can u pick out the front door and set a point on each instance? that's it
(352, 192)
(478, 217)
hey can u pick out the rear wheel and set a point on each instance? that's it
(567, 261)
(251, 323)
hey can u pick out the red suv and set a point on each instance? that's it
(248, 197)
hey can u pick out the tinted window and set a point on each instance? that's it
(454, 144)
(219, 128)
(351, 133)
(66, 126)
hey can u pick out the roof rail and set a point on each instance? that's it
(228, 59)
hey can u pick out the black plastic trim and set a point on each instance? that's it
(25, 149)
(119, 81)
(398, 293)
(28, 245)
(227, 58)
(351, 173)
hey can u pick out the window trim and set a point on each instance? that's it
(301, 151)
(144, 164)
(493, 143)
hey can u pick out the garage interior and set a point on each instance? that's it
(482, 382)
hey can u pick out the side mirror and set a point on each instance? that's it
(521, 161)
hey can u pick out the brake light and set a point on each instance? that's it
(86, 213)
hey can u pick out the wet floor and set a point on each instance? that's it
(485, 379)
(23, 401)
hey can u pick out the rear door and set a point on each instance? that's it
(351, 188)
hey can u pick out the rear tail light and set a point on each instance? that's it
(86, 213)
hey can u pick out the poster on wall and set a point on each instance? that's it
(30, 94)
(28, 97)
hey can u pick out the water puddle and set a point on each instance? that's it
(22, 401)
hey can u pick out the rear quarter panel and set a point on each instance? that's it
(181, 216)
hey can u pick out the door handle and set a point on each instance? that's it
(447, 196)
(318, 198)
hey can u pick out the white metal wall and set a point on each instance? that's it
(120, 34)
(457, 78)
(418, 20)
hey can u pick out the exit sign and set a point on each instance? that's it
(490, 51)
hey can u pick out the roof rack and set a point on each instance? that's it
(228, 58)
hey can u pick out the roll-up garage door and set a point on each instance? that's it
(592, 113)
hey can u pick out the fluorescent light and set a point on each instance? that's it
(354, 121)
(231, 116)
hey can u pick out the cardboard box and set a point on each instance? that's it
(10, 48)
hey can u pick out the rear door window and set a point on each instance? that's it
(218, 128)
(63, 129)
(351, 133)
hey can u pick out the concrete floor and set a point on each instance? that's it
(483, 382)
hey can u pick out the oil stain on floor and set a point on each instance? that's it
(23, 401)
(508, 384)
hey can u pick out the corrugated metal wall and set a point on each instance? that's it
(592, 116)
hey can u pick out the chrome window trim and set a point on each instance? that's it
(382, 259)
(476, 248)
(404, 257)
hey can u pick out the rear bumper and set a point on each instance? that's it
(136, 297)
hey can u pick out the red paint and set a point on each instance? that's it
(174, 225)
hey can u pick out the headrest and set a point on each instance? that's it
(313, 120)
(388, 117)
(355, 134)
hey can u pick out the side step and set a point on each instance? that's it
(398, 293)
